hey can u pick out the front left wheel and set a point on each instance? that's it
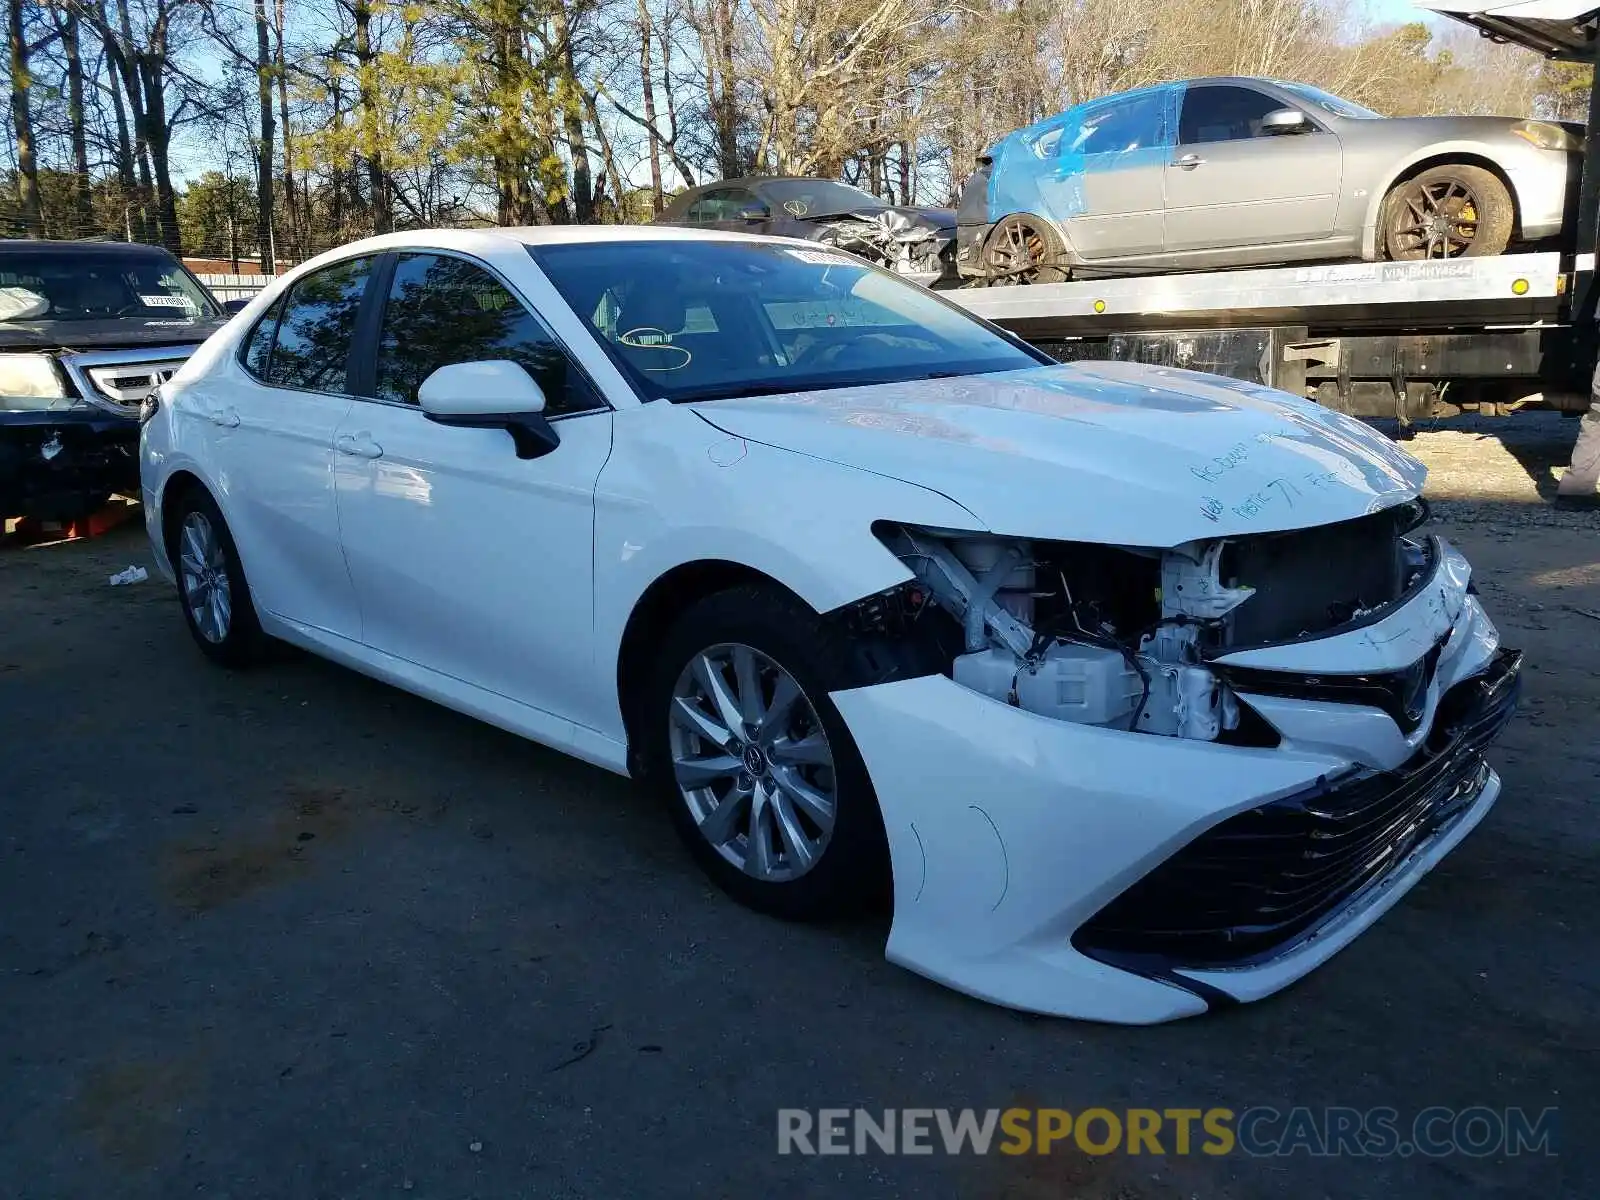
(211, 583)
(760, 774)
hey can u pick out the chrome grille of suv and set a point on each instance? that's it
(121, 379)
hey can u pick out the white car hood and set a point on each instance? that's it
(1099, 452)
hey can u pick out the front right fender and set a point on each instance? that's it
(802, 521)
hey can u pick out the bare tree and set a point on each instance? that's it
(22, 122)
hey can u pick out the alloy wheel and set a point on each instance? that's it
(1017, 254)
(1437, 219)
(203, 571)
(752, 762)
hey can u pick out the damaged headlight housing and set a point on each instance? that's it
(32, 382)
(1099, 635)
(1129, 637)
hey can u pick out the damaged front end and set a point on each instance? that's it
(69, 426)
(1140, 639)
(1171, 777)
(62, 465)
(910, 243)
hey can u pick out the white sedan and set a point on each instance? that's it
(1140, 691)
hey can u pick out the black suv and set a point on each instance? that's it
(87, 331)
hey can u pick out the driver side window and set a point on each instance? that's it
(1224, 114)
(442, 310)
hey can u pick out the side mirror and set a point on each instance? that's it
(493, 394)
(753, 213)
(229, 307)
(1285, 120)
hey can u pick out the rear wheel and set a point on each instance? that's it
(1024, 249)
(211, 585)
(1453, 211)
(761, 777)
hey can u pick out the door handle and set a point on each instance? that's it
(360, 445)
(1190, 161)
(228, 418)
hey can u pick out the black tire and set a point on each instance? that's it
(242, 643)
(1451, 211)
(851, 875)
(1023, 249)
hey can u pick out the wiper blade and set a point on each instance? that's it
(736, 391)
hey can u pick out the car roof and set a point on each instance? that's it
(127, 249)
(492, 238)
(542, 235)
(756, 180)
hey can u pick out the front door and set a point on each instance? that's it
(1230, 183)
(466, 559)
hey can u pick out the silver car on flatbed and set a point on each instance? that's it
(1233, 172)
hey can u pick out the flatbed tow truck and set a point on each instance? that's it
(1405, 340)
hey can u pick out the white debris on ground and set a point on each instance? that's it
(133, 574)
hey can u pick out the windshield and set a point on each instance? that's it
(1327, 101)
(816, 197)
(703, 320)
(79, 286)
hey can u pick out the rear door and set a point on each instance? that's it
(466, 559)
(272, 424)
(1103, 182)
(1231, 184)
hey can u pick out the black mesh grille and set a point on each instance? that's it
(1247, 888)
(1311, 580)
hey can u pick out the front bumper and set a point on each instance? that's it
(1056, 868)
(1545, 185)
(969, 249)
(58, 464)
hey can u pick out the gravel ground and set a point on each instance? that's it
(295, 934)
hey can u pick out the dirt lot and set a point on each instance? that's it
(295, 934)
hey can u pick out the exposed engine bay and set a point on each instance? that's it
(899, 241)
(1126, 637)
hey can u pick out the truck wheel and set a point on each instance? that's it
(1024, 249)
(1453, 211)
(760, 774)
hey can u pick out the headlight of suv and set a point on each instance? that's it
(1547, 136)
(32, 382)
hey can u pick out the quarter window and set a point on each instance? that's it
(442, 310)
(1224, 114)
(312, 349)
(258, 346)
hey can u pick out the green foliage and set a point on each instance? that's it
(207, 208)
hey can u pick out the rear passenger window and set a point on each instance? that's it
(442, 310)
(312, 347)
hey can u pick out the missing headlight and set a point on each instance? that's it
(1097, 635)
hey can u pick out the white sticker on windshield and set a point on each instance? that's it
(164, 301)
(821, 258)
